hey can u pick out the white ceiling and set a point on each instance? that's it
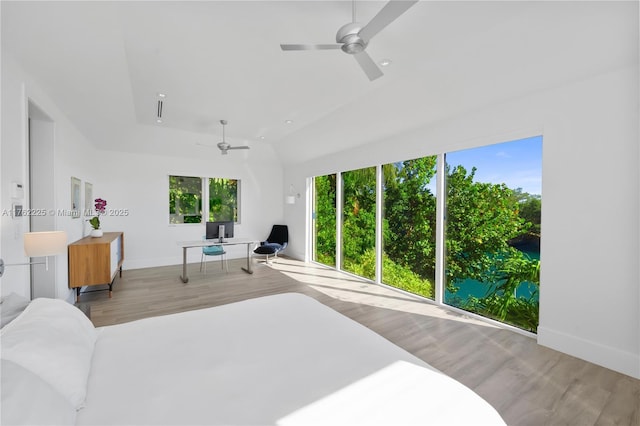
(105, 62)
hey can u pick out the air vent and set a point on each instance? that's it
(161, 97)
(159, 115)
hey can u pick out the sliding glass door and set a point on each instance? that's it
(493, 205)
(490, 210)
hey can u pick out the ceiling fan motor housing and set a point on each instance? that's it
(352, 43)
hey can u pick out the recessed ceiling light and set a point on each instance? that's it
(262, 137)
(161, 95)
(288, 121)
(385, 62)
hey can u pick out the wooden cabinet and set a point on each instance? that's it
(95, 261)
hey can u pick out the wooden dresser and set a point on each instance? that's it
(95, 261)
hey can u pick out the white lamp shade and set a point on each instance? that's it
(37, 244)
(290, 199)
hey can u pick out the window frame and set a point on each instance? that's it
(440, 279)
(204, 199)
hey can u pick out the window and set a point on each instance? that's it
(186, 195)
(185, 199)
(359, 222)
(487, 213)
(324, 219)
(493, 205)
(223, 199)
(409, 225)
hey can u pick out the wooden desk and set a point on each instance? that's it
(95, 261)
(204, 243)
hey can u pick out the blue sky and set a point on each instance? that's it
(518, 164)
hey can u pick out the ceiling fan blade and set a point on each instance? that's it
(309, 46)
(368, 66)
(239, 147)
(389, 13)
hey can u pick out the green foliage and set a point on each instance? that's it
(364, 265)
(393, 274)
(325, 219)
(185, 199)
(358, 217)
(404, 278)
(522, 313)
(530, 208)
(502, 301)
(95, 222)
(410, 215)
(481, 218)
(223, 199)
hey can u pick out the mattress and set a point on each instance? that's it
(277, 360)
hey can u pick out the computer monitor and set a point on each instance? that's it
(213, 230)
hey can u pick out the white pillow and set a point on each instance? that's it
(10, 307)
(29, 400)
(54, 340)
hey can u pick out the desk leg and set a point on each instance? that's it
(184, 277)
(248, 269)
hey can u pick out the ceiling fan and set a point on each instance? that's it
(224, 146)
(353, 37)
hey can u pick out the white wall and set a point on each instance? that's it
(589, 290)
(131, 181)
(139, 183)
(72, 157)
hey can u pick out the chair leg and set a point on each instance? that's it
(201, 261)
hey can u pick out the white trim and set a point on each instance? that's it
(379, 218)
(624, 362)
(339, 209)
(441, 217)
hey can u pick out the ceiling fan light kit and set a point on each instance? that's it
(353, 38)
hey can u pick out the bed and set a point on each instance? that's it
(276, 360)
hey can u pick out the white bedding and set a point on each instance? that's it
(276, 360)
(284, 359)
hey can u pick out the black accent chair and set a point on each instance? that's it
(275, 243)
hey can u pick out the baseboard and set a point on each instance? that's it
(614, 359)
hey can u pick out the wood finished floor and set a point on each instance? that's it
(527, 383)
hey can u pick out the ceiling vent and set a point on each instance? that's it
(161, 97)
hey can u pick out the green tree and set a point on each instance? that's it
(325, 219)
(410, 215)
(223, 199)
(530, 208)
(481, 219)
(185, 199)
(502, 301)
(358, 216)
